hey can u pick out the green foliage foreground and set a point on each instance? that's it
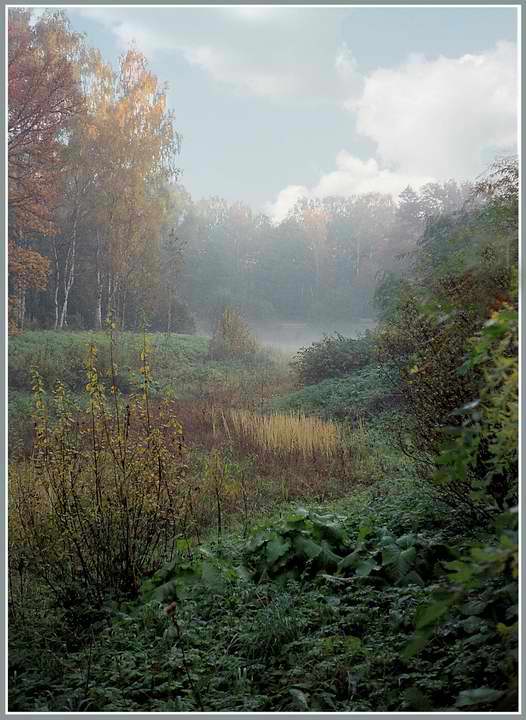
(239, 631)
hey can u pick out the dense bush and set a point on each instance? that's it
(334, 356)
(462, 271)
(480, 457)
(182, 319)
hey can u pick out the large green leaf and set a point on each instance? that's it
(307, 547)
(276, 548)
(365, 568)
(477, 696)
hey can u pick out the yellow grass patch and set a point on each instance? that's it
(310, 437)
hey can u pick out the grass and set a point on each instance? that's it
(310, 437)
(180, 367)
(61, 355)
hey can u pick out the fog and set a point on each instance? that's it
(289, 337)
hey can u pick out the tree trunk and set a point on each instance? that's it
(69, 271)
(20, 305)
(169, 320)
(57, 282)
(98, 306)
(123, 306)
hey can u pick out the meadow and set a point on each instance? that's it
(223, 538)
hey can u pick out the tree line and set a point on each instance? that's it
(100, 225)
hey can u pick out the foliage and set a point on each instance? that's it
(44, 96)
(483, 586)
(307, 542)
(482, 453)
(463, 271)
(332, 357)
(182, 321)
(327, 642)
(304, 541)
(98, 502)
(232, 338)
(363, 393)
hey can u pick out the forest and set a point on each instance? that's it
(199, 520)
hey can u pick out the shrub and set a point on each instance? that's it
(332, 357)
(362, 393)
(232, 338)
(481, 588)
(479, 459)
(98, 502)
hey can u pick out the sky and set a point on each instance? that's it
(274, 103)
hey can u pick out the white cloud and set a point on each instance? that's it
(431, 120)
(351, 177)
(441, 116)
(285, 201)
(225, 67)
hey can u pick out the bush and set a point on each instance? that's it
(332, 357)
(232, 338)
(479, 459)
(98, 502)
(481, 588)
(364, 392)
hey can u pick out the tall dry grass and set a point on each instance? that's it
(309, 437)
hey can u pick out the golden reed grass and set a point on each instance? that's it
(291, 433)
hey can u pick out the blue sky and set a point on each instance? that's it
(276, 102)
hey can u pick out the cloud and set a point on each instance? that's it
(431, 120)
(291, 61)
(352, 176)
(225, 67)
(441, 116)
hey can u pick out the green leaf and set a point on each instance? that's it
(353, 644)
(418, 642)
(427, 615)
(300, 699)
(406, 541)
(275, 549)
(364, 532)
(365, 568)
(412, 578)
(407, 559)
(417, 700)
(351, 560)
(212, 577)
(305, 546)
(478, 696)
(474, 607)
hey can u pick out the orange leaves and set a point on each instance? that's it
(43, 96)
(29, 267)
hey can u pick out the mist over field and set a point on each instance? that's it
(263, 308)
